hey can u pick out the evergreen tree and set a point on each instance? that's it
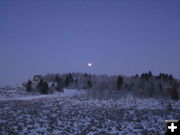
(170, 78)
(29, 86)
(150, 74)
(151, 89)
(119, 82)
(59, 87)
(68, 79)
(89, 84)
(76, 82)
(40, 84)
(71, 80)
(145, 76)
(174, 91)
(43, 87)
(137, 76)
(85, 75)
(57, 78)
(160, 86)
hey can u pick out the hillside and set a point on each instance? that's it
(78, 113)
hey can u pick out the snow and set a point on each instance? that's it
(72, 92)
(73, 112)
(65, 93)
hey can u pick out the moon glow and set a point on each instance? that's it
(89, 64)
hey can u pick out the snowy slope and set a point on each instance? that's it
(19, 93)
(72, 113)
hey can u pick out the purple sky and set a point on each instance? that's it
(118, 36)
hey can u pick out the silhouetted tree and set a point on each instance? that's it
(76, 82)
(145, 76)
(150, 74)
(68, 79)
(170, 78)
(58, 78)
(119, 82)
(29, 86)
(151, 89)
(89, 84)
(85, 75)
(160, 86)
(174, 90)
(137, 76)
(46, 88)
(59, 83)
(43, 87)
(71, 80)
(59, 87)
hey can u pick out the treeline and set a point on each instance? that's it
(46, 85)
(146, 84)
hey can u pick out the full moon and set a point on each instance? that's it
(89, 64)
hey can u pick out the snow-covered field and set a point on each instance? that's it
(74, 113)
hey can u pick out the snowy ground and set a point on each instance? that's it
(73, 113)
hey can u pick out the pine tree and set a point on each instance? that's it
(57, 78)
(160, 86)
(40, 84)
(174, 91)
(59, 87)
(145, 76)
(89, 84)
(119, 82)
(29, 86)
(151, 89)
(43, 87)
(67, 81)
(150, 74)
(71, 80)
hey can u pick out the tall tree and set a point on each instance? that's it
(119, 82)
(89, 83)
(57, 78)
(174, 90)
(43, 87)
(150, 74)
(29, 86)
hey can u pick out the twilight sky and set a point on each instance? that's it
(117, 36)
